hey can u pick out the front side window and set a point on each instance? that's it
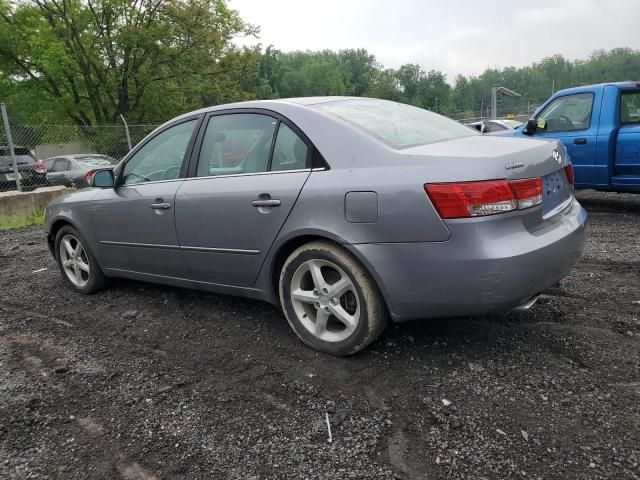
(290, 151)
(236, 143)
(61, 165)
(396, 124)
(568, 113)
(161, 157)
(630, 107)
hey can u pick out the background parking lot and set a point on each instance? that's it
(143, 381)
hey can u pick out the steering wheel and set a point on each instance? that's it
(564, 121)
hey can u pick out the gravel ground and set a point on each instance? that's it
(143, 381)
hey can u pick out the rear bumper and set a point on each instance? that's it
(488, 265)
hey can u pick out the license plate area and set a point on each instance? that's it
(555, 191)
(11, 177)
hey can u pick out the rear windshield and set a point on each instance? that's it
(97, 160)
(396, 124)
(23, 157)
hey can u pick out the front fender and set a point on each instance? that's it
(73, 209)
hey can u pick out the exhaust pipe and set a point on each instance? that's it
(526, 305)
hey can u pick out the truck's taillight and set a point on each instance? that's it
(569, 171)
(474, 199)
(88, 175)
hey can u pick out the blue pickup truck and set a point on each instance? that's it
(600, 126)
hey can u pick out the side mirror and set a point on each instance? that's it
(531, 127)
(103, 179)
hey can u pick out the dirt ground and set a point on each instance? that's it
(143, 381)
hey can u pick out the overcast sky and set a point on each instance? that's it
(455, 36)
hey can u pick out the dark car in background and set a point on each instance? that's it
(32, 172)
(76, 170)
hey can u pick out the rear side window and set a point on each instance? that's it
(236, 143)
(290, 152)
(630, 107)
(396, 124)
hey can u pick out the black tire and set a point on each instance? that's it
(96, 279)
(372, 309)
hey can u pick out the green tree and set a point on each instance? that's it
(147, 60)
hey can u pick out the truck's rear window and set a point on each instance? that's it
(396, 124)
(630, 107)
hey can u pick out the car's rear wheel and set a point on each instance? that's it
(330, 300)
(76, 262)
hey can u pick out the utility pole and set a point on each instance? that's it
(12, 151)
(126, 131)
(494, 98)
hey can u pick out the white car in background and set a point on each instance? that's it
(495, 125)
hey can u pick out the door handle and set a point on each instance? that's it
(266, 203)
(579, 141)
(161, 206)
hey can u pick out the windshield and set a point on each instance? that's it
(396, 124)
(97, 160)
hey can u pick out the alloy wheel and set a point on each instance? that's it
(74, 261)
(325, 300)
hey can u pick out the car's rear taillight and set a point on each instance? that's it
(474, 199)
(527, 192)
(569, 171)
(471, 199)
(88, 175)
(40, 167)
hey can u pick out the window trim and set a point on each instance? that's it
(593, 100)
(119, 169)
(312, 151)
(623, 93)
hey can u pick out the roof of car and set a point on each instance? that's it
(627, 84)
(299, 102)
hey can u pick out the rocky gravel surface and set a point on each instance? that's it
(149, 382)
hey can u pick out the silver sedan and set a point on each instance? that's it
(345, 212)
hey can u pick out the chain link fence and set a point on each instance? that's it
(506, 107)
(33, 156)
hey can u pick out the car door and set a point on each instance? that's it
(59, 172)
(245, 176)
(134, 221)
(48, 165)
(573, 119)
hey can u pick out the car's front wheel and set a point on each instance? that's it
(79, 267)
(330, 300)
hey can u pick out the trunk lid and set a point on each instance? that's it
(492, 158)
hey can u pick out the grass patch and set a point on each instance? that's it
(19, 222)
